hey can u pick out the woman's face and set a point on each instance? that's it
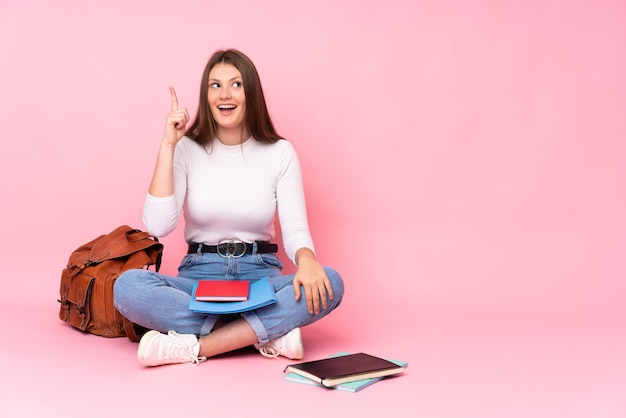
(227, 101)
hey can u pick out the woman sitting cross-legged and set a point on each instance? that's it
(227, 175)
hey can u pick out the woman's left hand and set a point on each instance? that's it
(313, 278)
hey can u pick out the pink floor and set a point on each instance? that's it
(482, 367)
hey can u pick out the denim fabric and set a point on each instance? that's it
(161, 302)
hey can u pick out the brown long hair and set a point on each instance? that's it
(257, 118)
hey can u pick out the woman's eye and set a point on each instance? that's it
(237, 84)
(214, 85)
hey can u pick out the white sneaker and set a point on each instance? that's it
(156, 349)
(289, 345)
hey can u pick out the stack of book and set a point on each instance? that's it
(344, 372)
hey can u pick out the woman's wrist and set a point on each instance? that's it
(304, 254)
(167, 145)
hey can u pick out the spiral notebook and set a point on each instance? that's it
(261, 294)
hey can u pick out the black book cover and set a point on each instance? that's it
(336, 370)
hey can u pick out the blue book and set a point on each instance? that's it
(352, 387)
(261, 294)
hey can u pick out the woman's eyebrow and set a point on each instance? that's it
(232, 79)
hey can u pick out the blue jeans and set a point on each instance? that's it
(161, 302)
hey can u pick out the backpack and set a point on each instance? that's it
(87, 281)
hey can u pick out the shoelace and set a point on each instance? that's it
(184, 346)
(269, 350)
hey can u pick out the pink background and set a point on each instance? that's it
(465, 168)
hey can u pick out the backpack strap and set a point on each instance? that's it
(130, 331)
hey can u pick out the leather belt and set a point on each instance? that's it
(233, 248)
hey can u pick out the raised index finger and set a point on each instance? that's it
(174, 99)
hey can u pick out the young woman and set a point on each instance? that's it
(227, 175)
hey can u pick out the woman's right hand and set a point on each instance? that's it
(175, 122)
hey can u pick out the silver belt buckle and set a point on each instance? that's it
(231, 248)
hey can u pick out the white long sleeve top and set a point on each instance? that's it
(233, 192)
